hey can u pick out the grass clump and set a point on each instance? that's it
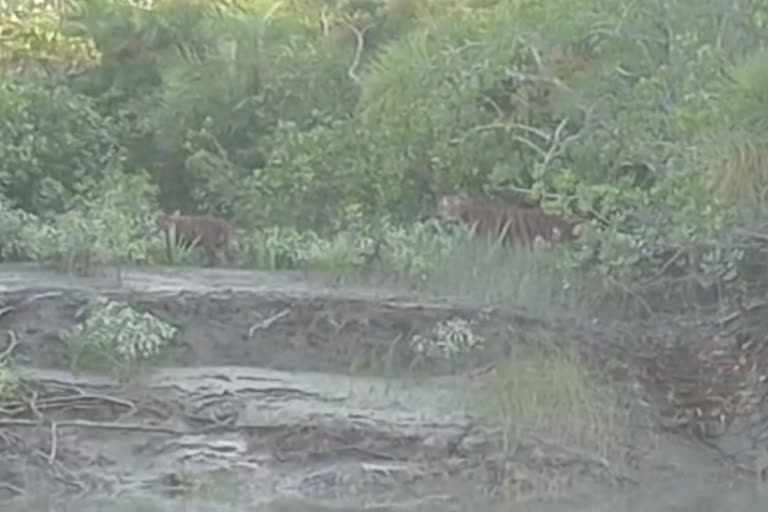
(554, 396)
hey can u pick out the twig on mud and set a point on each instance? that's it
(54, 442)
(665, 266)
(36, 405)
(12, 343)
(10, 487)
(103, 425)
(82, 395)
(358, 447)
(61, 473)
(29, 300)
(576, 454)
(391, 350)
(641, 300)
(8, 438)
(413, 504)
(266, 324)
(32, 404)
(732, 460)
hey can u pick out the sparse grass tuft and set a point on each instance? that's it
(742, 176)
(488, 273)
(552, 395)
(540, 387)
(219, 486)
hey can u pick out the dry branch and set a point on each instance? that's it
(360, 39)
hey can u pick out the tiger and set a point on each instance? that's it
(529, 227)
(212, 234)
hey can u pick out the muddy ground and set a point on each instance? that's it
(283, 393)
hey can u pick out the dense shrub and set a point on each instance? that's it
(53, 145)
(321, 128)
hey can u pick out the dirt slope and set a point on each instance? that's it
(259, 405)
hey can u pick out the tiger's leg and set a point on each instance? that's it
(168, 250)
(212, 259)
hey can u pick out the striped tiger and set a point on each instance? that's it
(204, 231)
(528, 227)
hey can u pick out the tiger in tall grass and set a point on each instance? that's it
(527, 227)
(210, 233)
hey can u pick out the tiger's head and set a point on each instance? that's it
(163, 221)
(570, 231)
(453, 208)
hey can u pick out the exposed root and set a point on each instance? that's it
(12, 488)
(265, 324)
(13, 342)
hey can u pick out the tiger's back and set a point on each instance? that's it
(528, 227)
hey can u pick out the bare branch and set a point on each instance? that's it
(265, 324)
(54, 442)
(360, 37)
(12, 343)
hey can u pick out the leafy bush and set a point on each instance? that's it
(53, 145)
(16, 228)
(111, 225)
(117, 334)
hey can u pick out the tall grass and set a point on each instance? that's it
(543, 387)
(540, 281)
(551, 394)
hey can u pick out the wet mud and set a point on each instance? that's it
(284, 393)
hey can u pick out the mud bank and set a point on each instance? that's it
(256, 406)
(255, 319)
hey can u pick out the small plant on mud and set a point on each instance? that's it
(218, 486)
(117, 334)
(10, 385)
(448, 339)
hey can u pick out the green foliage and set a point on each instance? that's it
(116, 334)
(53, 145)
(180, 250)
(549, 391)
(33, 47)
(318, 174)
(16, 226)
(737, 151)
(406, 251)
(108, 226)
(121, 209)
(325, 130)
(10, 384)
